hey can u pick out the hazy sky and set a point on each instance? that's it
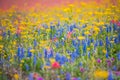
(6, 4)
(26, 4)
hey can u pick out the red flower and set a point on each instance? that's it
(55, 65)
(113, 21)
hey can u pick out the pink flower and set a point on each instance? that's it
(117, 73)
(118, 24)
(99, 60)
(55, 65)
(82, 69)
(40, 78)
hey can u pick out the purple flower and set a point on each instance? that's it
(40, 78)
(112, 59)
(109, 63)
(82, 69)
(99, 60)
(117, 73)
(74, 79)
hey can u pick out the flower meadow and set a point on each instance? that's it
(73, 42)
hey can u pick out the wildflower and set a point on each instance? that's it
(30, 77)
(16, 76)
(81, 38)
(104, 51)
(101, 74)
(35, 75)
(99, 60)
(109, 63)
(27, 67)
(0, 37)
(55, 65)
(68, 76)
(35, 59)
(69, 34)
(47, 67)
(29, 52)
(57, 57)
(118, 24)
(118, 55)
(22, 61)
(87, 32)
(117, 73)
(40, 78)
(110, 77)
(32, 50)
(52, 60)
(82, 69)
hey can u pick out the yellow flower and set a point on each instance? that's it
(104, 51)
(87, 32)
(100, 74)
(88, 49)
(47, 67)
(16, 76)
(1, 46)
(14, 42)
(52, 60)
(96, 29)
(32, 50)
(11, 60)
(20, 65)
(0, 37)
(22, 61)
(81, 37)
(47, 30)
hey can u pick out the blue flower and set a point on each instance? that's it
(63, 60)
(110, 77)
(45, 53)
(57, 57)
(22, 53)
(107, 55)
(116, 40)
(29, 53)
(68, 76)
(35, 60)
(114, 68)
(48, 63)
(84, 48)
(114, 27)
(27, 67)
(100, 43)
(4, 34)
(39, 55)
(118, 55)
(107, 41)
(30, 77)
